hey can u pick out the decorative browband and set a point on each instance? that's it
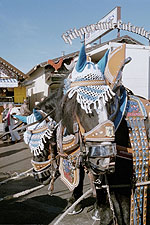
(88, 83)
(39, 130)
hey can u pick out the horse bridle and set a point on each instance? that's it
(97, 141)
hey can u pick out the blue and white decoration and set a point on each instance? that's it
(37, 140)
(90, 94)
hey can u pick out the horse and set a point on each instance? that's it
(113, 128)
(103, 129)
(93, 119)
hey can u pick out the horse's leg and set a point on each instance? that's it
(77, 193)
(100, 202)
(121, 207)
(104, 212)
(121, 196)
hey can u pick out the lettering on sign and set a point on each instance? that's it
(75, 33)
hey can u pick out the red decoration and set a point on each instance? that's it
(56, 66)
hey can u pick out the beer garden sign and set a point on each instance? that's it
(108, 23)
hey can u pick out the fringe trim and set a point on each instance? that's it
(86, 103)
(37, 151)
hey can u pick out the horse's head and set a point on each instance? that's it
(87, 96)
(41, 139)
(51, 104)
(40, 136)
(44, 153)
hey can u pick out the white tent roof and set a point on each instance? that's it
(8, 83)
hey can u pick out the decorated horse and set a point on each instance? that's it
(95, 125)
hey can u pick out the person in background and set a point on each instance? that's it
(15, 137)
(24, 109)
(36, 103)
(4, 114)
(42, 99)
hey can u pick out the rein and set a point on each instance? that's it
(28, 125)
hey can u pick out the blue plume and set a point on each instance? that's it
(103, 61)
(81, 60)
(22, 118)
(37, 114)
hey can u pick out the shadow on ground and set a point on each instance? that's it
(11, 152)
(37, 210)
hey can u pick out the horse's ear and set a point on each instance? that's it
(37, 114)
(81, 63)
(103, 61)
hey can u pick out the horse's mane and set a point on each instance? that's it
(52, 104)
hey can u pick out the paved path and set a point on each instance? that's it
(37, 207)
(1, 128)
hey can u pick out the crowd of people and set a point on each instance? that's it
(11, 122)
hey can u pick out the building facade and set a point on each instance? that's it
(46, 77)
(10, 84)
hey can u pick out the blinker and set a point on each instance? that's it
(103, 151)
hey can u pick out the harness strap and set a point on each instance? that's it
(110, 202)
(38, 166)
(82, 130)
(59, 136)
(140, 147)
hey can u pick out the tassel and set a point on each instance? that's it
(34, 152)
(111, 92)
(103, 100)
(37, 151)
(95, 106)
(78, 98)
(90, 111)
(40, 152)
(43, 138)
(82, 106)
(42, 146)
(105, 96)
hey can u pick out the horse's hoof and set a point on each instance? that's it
(96, 214)
(76, 210)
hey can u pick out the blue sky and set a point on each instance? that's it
(31, 29)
